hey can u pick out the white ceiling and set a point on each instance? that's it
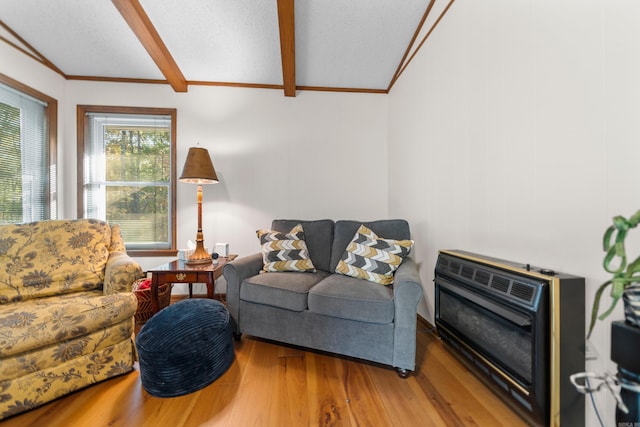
(339, 44)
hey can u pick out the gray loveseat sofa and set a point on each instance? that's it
(325, 310)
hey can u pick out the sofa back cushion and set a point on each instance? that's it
(397, 229)
(318, 235)
(52, 257)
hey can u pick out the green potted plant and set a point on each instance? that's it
(626, 276)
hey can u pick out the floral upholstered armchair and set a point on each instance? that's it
(66, 309)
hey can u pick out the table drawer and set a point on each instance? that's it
(181, 277)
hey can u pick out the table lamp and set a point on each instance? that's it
(198, 169)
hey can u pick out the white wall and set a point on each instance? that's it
(515, 133)
(318, 155)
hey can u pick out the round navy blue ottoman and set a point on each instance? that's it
(185, 347)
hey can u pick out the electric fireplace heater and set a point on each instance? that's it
(519, 328)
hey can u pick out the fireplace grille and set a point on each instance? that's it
(504, 320)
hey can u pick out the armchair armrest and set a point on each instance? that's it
(120, 273)
(234, 273)
(407, 292)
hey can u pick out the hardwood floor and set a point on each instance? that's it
(275, 385)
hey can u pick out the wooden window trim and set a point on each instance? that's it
(81, 112)
(51, 112)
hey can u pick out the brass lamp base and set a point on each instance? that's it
(200, 261)
(200, 255)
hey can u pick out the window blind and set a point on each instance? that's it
(24, 156)
(124, 179)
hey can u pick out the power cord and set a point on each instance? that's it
(593, 402)
(608, 382)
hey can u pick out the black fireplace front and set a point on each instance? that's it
(505, 320)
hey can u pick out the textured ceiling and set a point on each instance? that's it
(228, 41)
(339, 44)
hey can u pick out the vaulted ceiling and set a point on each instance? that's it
(338, 45)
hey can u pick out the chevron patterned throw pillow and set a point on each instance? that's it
(373, 258)
(285, 251)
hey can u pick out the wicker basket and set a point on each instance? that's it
(145, 304)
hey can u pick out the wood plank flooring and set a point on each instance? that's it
(274, 385)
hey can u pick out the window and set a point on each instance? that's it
(126, 162)
(28, 127)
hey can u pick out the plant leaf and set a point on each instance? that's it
(596, 306)
(606, 240)
(616, 293)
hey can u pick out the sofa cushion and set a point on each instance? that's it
(51, 257)
(353, 299)
(397, 229)
(372, 258)
(318, 235)
(36, 387)
(43, 321)
(51, 356)
(284, 290)
(285, 251)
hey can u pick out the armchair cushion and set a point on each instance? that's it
(48, 258)
(45, 321)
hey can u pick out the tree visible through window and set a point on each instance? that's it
(28, 124)
(11, 171)
(128, 173)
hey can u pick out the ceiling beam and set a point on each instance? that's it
(287, 45)
(413, 39)
(136, 17)
(28, 50)
(404, 64)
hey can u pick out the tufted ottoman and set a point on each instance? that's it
(185, 347)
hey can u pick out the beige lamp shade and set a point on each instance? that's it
(198, 168)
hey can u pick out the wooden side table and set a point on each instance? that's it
(178, 272)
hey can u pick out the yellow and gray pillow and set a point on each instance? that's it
(285, 251)
(372, 258)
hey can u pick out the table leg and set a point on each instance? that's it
(211, 286)
(155, 300)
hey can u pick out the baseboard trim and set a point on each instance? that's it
(425, 323)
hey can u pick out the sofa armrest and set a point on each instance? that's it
(120, 273)
(407, 292)
(234, 273)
